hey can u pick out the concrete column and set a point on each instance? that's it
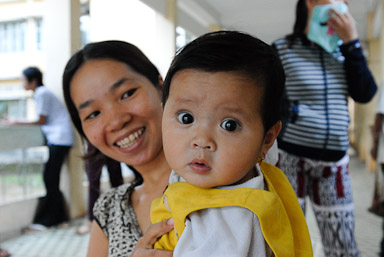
(171, 16)
(215, 27)
(61, 38)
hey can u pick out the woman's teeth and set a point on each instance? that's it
(130, 140)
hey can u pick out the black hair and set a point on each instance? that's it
(33, 74)
(113, 49)
(300, 22)
(233, 51)
(301, 18)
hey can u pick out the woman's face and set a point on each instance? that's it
(312, 3)
(120, 111)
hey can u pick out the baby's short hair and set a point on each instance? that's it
(241, 53)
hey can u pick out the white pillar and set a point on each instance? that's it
(61, 38)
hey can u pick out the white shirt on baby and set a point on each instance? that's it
(236, 227)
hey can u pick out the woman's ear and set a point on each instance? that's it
(271, 136)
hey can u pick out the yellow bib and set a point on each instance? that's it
(281, 218)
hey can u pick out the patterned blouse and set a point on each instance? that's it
(115, 215)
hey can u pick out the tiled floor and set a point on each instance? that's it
(55, 242)
(64, 242)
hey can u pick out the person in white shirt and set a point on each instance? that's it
(55, 124)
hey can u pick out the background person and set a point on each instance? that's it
(56, 127)
(314, 138)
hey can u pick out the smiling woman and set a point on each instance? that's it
(113, 93)
(119, 96)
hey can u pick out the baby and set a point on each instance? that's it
(221, 101)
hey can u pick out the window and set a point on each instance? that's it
(84, 28)
(38, 23)
(12, 36)
(5, 1)
(85, 21)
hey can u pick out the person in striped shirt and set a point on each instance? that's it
(314, 139)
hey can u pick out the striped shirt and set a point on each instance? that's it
(315, 102)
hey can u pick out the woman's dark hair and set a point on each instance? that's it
(33, 74)
(116, 50)
(301, 17)
(300, 22)
(232, 51)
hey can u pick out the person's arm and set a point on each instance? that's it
(41, 121)
(361, 85)
(98, 243)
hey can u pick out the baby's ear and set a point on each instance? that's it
(160, 88)
(271, 136)
(161, 82)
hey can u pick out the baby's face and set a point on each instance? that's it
(213, 132)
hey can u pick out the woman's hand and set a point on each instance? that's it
(144, 247)
(344, 25)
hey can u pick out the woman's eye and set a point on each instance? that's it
(92, 115)
(128, 93)
(230, 125)
(185, 118)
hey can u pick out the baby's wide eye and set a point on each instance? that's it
(185, 118)
(230, 125)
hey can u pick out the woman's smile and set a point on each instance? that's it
(131, 139)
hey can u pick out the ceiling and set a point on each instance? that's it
(268, 19)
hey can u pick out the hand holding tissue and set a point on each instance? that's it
(320, 32)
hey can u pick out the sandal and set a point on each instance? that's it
(4, 253)
(84, 229)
